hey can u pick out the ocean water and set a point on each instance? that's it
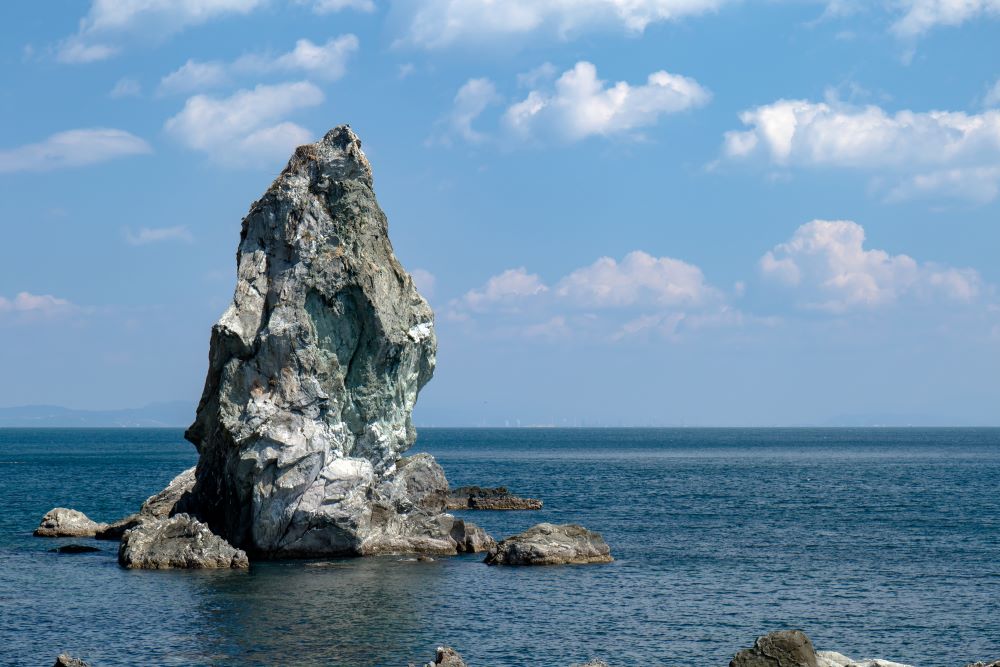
(876, 542)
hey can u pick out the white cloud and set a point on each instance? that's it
(638, 279)
(246, 126)
(110, 21)
(827, 262)
(147, 235)
(920, 16)
(322, 61)
(803, 133)
(126, 88)
(193, 76)
(507, 288)
(29, 306)
(581, 105)
(435, 24)
(330, 6)
(607, 300)
(73, 148)
(471, 100)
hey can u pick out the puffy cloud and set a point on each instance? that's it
(920, 16)
(940, 147)
(826, 261)
(109, 21)
(638, 279)
(581, 105)
(27, 306)
(147, 235)
(247, 125)
(608, 300)
(435, 24)
(323, 61)
(73, 148)
(507, 288)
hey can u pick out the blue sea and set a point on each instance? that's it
(876, 542)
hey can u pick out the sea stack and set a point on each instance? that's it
(313, 374)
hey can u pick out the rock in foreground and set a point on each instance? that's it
(314, 370)
(470, 538)
(63, 522)
(66, 660)
(489, 498)
(550, 544)
(447, 657)
(792, 648)
(177, 542)
(788, 648)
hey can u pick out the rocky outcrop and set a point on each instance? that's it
(792, 648)
(156, 506)
(550, 544)
(470, 538)
(788, 648)
(489, 498)
(314, 370)
(63, 522)
(66, 660)
(446, 657)
(177, 542)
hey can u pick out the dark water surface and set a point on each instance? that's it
(876, 542)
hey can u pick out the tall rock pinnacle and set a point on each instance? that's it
(313, 374)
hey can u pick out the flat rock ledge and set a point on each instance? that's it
(489, 498)
(178, 542)
(63, 522)
(551, 544)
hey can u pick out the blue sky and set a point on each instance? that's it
(642, 212)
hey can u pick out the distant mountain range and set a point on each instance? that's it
(171, 414)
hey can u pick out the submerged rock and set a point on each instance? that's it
(788, 648)
(66, 660)
(63, 522)
(550, 544)
(489, 498)
(314, 370)
(74, 549)
(177, 542)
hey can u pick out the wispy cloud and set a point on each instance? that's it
(73, 148)
(147, 235)
(26, 307)
(246, 128)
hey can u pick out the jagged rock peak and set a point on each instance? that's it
(314, 368)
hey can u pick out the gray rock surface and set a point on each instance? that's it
(313, 373)
(489, 498)
(833, 659)
(63, 522)
(66, 660)
(550, 544)
(788, 648)
(156, 506)
(177, 542)
(470, 538)
(447, 657)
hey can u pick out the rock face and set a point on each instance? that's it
(792, 648)
(177, 542)
(313, 373)
(156, 506)
(62, 522)
(470, 538)
(446, 657)
(550, 544)
(489, 498)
